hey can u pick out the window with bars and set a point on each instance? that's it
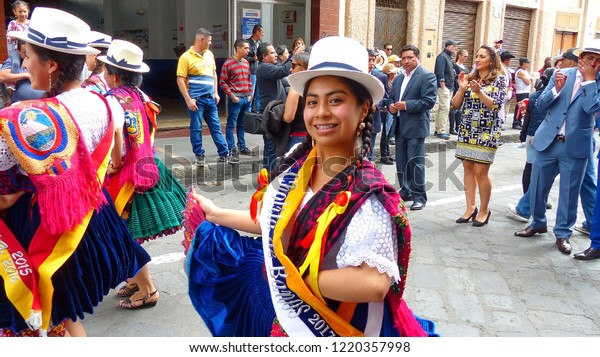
(394, 4)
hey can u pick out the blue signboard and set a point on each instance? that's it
(250, 18)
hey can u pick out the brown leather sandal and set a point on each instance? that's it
(131, 304)
(128, 290)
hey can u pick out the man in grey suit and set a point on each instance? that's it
(564, 141)
(413, 94)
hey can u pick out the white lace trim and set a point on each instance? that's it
(383, 265)
(7, 160)
(371, 238)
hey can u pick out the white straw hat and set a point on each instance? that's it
(593, 46)
(342, 57)
(125, 55)
(99, 39)
(58, 31)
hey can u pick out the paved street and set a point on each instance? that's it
(471, 281)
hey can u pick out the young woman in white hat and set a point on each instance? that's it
(329, 219)
(63, 244)
(146, 194)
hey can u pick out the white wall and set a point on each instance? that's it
(280, 28)
(205, 13)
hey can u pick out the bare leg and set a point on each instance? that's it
(485, 189)
(470, 187)
(74, 329)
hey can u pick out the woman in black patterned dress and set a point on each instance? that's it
(481, 95)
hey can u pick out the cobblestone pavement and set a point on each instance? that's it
(470, 281)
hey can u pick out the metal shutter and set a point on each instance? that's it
(391, 20)
(517, 23)
(459, 24)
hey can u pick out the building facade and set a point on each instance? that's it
(164, 28)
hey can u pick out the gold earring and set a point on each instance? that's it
(49, 82)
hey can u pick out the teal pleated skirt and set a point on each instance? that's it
(157, 212)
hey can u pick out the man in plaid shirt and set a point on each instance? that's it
(236, 83)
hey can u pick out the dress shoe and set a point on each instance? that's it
(563, 245)
(443, 136)
(530, 231)
(417, 206)
(468, 219)
(386, 161)
(453, 132)
(512, 209)
(476, 223)
(588, 254)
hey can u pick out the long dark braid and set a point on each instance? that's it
(287, 161)
(69, 67)
(362, 95)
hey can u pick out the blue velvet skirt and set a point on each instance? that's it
(229, 289)
(104, 258)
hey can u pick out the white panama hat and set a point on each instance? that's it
(99, 40)
(125, 55)
(342, 57)
(57, 30)
(593, 47)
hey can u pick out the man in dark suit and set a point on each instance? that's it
(413, 94)
(564, 140)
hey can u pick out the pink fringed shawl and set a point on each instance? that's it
(139, 167)
(48, 145)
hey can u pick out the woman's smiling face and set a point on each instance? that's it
(332, 113)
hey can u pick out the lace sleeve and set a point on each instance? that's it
(371, 238)
(7, 160)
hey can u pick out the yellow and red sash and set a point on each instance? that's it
(300, 311)
(27, 274)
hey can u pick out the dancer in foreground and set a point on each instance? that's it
(327, 220)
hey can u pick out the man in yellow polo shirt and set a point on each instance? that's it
(197, 82)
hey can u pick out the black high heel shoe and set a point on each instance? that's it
(468, 219)
(476, 223)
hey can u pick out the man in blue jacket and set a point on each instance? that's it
(563, 141)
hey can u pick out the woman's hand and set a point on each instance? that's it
(475, 86)
(7, 201)
(208, 206)
(462, 80)
(299, 49)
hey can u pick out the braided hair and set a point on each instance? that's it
(69, 67)
(362, 96)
